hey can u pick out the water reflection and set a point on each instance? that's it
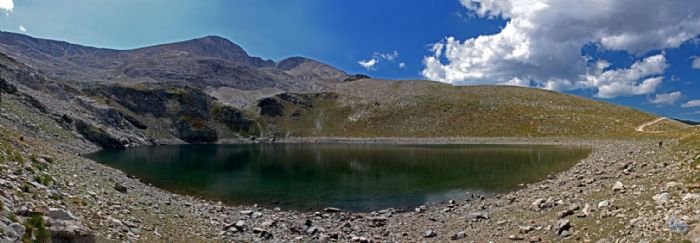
(352, 177)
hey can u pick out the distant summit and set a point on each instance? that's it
(209, 61)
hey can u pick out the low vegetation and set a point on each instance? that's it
(372, 108)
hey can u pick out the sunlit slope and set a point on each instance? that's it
(375, 108)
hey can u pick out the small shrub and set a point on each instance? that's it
(34, 158)
(43, 179)
(26, 188)
(35, 226)
(80, 201)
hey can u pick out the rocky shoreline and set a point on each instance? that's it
(627, 189)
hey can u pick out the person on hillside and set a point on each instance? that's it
(661, 144)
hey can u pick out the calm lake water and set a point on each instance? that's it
(347, 176)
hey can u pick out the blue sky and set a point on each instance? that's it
(343, 33)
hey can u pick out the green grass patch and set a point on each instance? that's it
(26, 188)
(44, 179)
(36, 228)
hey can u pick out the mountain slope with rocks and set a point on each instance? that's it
(208, 61)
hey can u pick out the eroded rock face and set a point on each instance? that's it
(7, 87)
(194, 130)
(270, 107)
(190, 114)
(233, 118)
(98, 135)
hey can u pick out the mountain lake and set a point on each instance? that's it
(352, 177)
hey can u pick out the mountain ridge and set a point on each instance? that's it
(209, 61)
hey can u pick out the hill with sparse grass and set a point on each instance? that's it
(379, 108)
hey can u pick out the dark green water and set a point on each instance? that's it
(351, 177)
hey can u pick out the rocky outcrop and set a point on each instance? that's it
(6, 87)
(191, 115)
(233, 118)
(355, 77)
(194, 130)
(270, 107)
(98, 136)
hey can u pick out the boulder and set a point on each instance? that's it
(458, 235)
(69, 231)
(662, 198)
(120, 188)
(618, 187)
(691, 197)
(61, 214)
(331, 210)
(429, 234)
(562, 226)
(476, 216)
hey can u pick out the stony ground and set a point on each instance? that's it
(628, 190)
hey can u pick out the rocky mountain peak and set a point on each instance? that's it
(210, 47)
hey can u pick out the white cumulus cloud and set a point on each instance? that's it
(21, 28)
(387, 56)
(7, 6)
(641, 78)
(377, 57)
(541, 44)
(369, 64)
(402, 65)
(696, 62)
(692, 103)
(666, 99)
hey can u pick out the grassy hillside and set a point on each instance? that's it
(374, 108)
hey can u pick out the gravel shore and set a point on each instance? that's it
(626, 189)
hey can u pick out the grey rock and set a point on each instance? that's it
(694, 234)
(618, 186)
(331, 210)
(691, 197)
(562, 226)
(526, 229)
(268, 224)
(314, 230)
(240, 225)
(429, 234)
(515, 237)
(18, 230)
(476, 216)
(61, 214)
(662, 198)
(69, 231)
(120, 188)
(458, 235)
(377, 221)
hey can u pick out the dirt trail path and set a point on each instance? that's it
(641, 127)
